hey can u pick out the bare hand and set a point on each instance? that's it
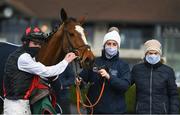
(104, 73)
(78, 81)
(69, 57)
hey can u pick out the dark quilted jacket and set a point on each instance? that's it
(156, 90)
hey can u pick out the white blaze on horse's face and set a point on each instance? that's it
(81, 31)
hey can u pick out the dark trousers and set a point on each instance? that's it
(63, 99)
(1, 106)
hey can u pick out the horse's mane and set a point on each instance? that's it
(54, 40)
(55, 29)
(64, 38)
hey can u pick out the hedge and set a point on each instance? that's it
(130, 98)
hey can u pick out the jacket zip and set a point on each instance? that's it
(165, 107)
(151, 90)
(137, 106)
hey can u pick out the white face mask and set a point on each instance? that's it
(110, 52)
(153, 59)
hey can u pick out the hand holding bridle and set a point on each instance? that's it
(104, 73)
(78, 80)
(70, 57)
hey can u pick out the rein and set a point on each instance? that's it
(78, 91)
(79, 95)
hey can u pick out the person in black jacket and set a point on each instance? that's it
(156, 90)
(5, 49)
(62, 89)
(116, 74)
(21, 68)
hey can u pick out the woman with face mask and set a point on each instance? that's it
(156, 90)
(116, 74)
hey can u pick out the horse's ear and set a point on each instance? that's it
(82, 19)
(63, 15)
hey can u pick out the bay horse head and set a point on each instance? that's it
(68, 37)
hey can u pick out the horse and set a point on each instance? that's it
(68, 37)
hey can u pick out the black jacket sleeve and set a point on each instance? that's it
(123, 80)
(68, 77)
(132, 75)
(173, 94)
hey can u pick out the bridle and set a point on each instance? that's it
(76, 49)
(78, 92)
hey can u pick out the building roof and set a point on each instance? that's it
(146, 11)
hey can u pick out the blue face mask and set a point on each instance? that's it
(153, 59)
(110, 52)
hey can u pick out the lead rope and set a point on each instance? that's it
(1, 98)
(79, 95)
